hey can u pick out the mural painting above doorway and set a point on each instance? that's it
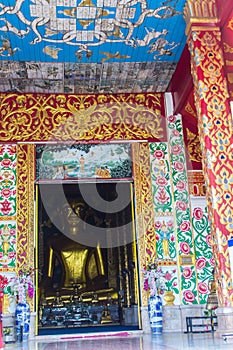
(84, 161)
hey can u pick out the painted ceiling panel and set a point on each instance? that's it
(89, 46)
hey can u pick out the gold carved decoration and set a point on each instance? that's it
(196, 183)
(6, 218)
(230, 24)
(230, 76)
(215, 131)
(25, 205)
(229, 63)
(190, 110)
(74, 117)
(194, 148)
(227, 48)
(144, 207)
(200, 9)
(80, 117)
(199, 12)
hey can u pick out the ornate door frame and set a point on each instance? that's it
(136, 118)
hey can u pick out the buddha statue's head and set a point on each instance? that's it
(73, 215)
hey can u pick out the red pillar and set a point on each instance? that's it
(215, 132)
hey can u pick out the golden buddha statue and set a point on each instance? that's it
(212, 300)
(106, 316)
(69, 263)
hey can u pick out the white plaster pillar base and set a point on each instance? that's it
(225, 320)
(145, 320)
(32, 328)
(9, 320)
(172, 319)
(190, 310)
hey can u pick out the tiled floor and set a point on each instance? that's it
(166, 341)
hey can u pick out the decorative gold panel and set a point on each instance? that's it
(144, 208)
(25, 205)
(61, 118)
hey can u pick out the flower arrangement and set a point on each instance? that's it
(171, 281)
(3, 282)
(21, 285)
(154, 280)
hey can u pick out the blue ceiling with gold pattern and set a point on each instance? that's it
(89, 46)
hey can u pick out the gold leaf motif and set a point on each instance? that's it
(25, 206)
(81, 117)
(190, 110)
(227, 48)
(144, 207)
(194, 147)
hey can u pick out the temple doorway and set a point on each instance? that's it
(86, 257)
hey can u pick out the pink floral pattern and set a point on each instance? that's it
(185, 226)
(203, 251)
(178, 239)
(203, 288)
(198, 213)
(201, 263)
(182, 208)
(187, 272)
(189, 297)
(184, 248)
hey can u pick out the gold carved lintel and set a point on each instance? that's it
(81, 117)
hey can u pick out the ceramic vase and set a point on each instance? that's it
(22, 320)
(155, 314)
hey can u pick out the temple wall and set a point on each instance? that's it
(174, 226)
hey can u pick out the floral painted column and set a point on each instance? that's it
(7, 208)
(215, 131)
(182, 213)
(164, 226)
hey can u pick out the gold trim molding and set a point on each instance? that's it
(25, 205)
(144, 208)
(200, 12)
(200, 9)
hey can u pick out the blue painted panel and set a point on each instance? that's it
(92, 30)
